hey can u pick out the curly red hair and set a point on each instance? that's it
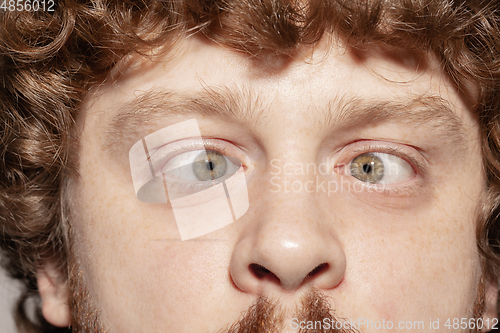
(49, 60)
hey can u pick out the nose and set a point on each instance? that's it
(290, 243)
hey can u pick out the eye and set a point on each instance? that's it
(380, 168)
(201, 166)
(209, 165)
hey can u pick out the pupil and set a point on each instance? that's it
(367, 168)
(211, 165)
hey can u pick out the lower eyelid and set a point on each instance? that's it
(405, 189)
(390, 190)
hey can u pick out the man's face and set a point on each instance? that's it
(397, 245)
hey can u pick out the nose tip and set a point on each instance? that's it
(287, 265)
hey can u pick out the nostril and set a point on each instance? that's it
(263, 273)
(259, 270)
(317, 270)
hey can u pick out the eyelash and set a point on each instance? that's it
(406, 190)
(371, 147)
(191, 144)
(206, 143)
(222, 147)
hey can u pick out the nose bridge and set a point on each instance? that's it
(292, 197)
(291, 207)
(291, 241)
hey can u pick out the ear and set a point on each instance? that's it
(490, 303)
(54, 295)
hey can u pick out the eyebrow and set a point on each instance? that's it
(431, 111)
(222, 103)
(153, 107)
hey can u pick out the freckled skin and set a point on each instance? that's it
(390, 257)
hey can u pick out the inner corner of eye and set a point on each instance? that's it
(341, 167)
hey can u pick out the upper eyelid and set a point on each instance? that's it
(176, 147)
(367, 146)
(192, 144)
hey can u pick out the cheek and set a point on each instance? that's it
(417, 263)
(136, 268)
(422, 270)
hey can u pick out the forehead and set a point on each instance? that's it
(195, 61)
(326, 74)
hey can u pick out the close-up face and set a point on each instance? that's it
(364, 177)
